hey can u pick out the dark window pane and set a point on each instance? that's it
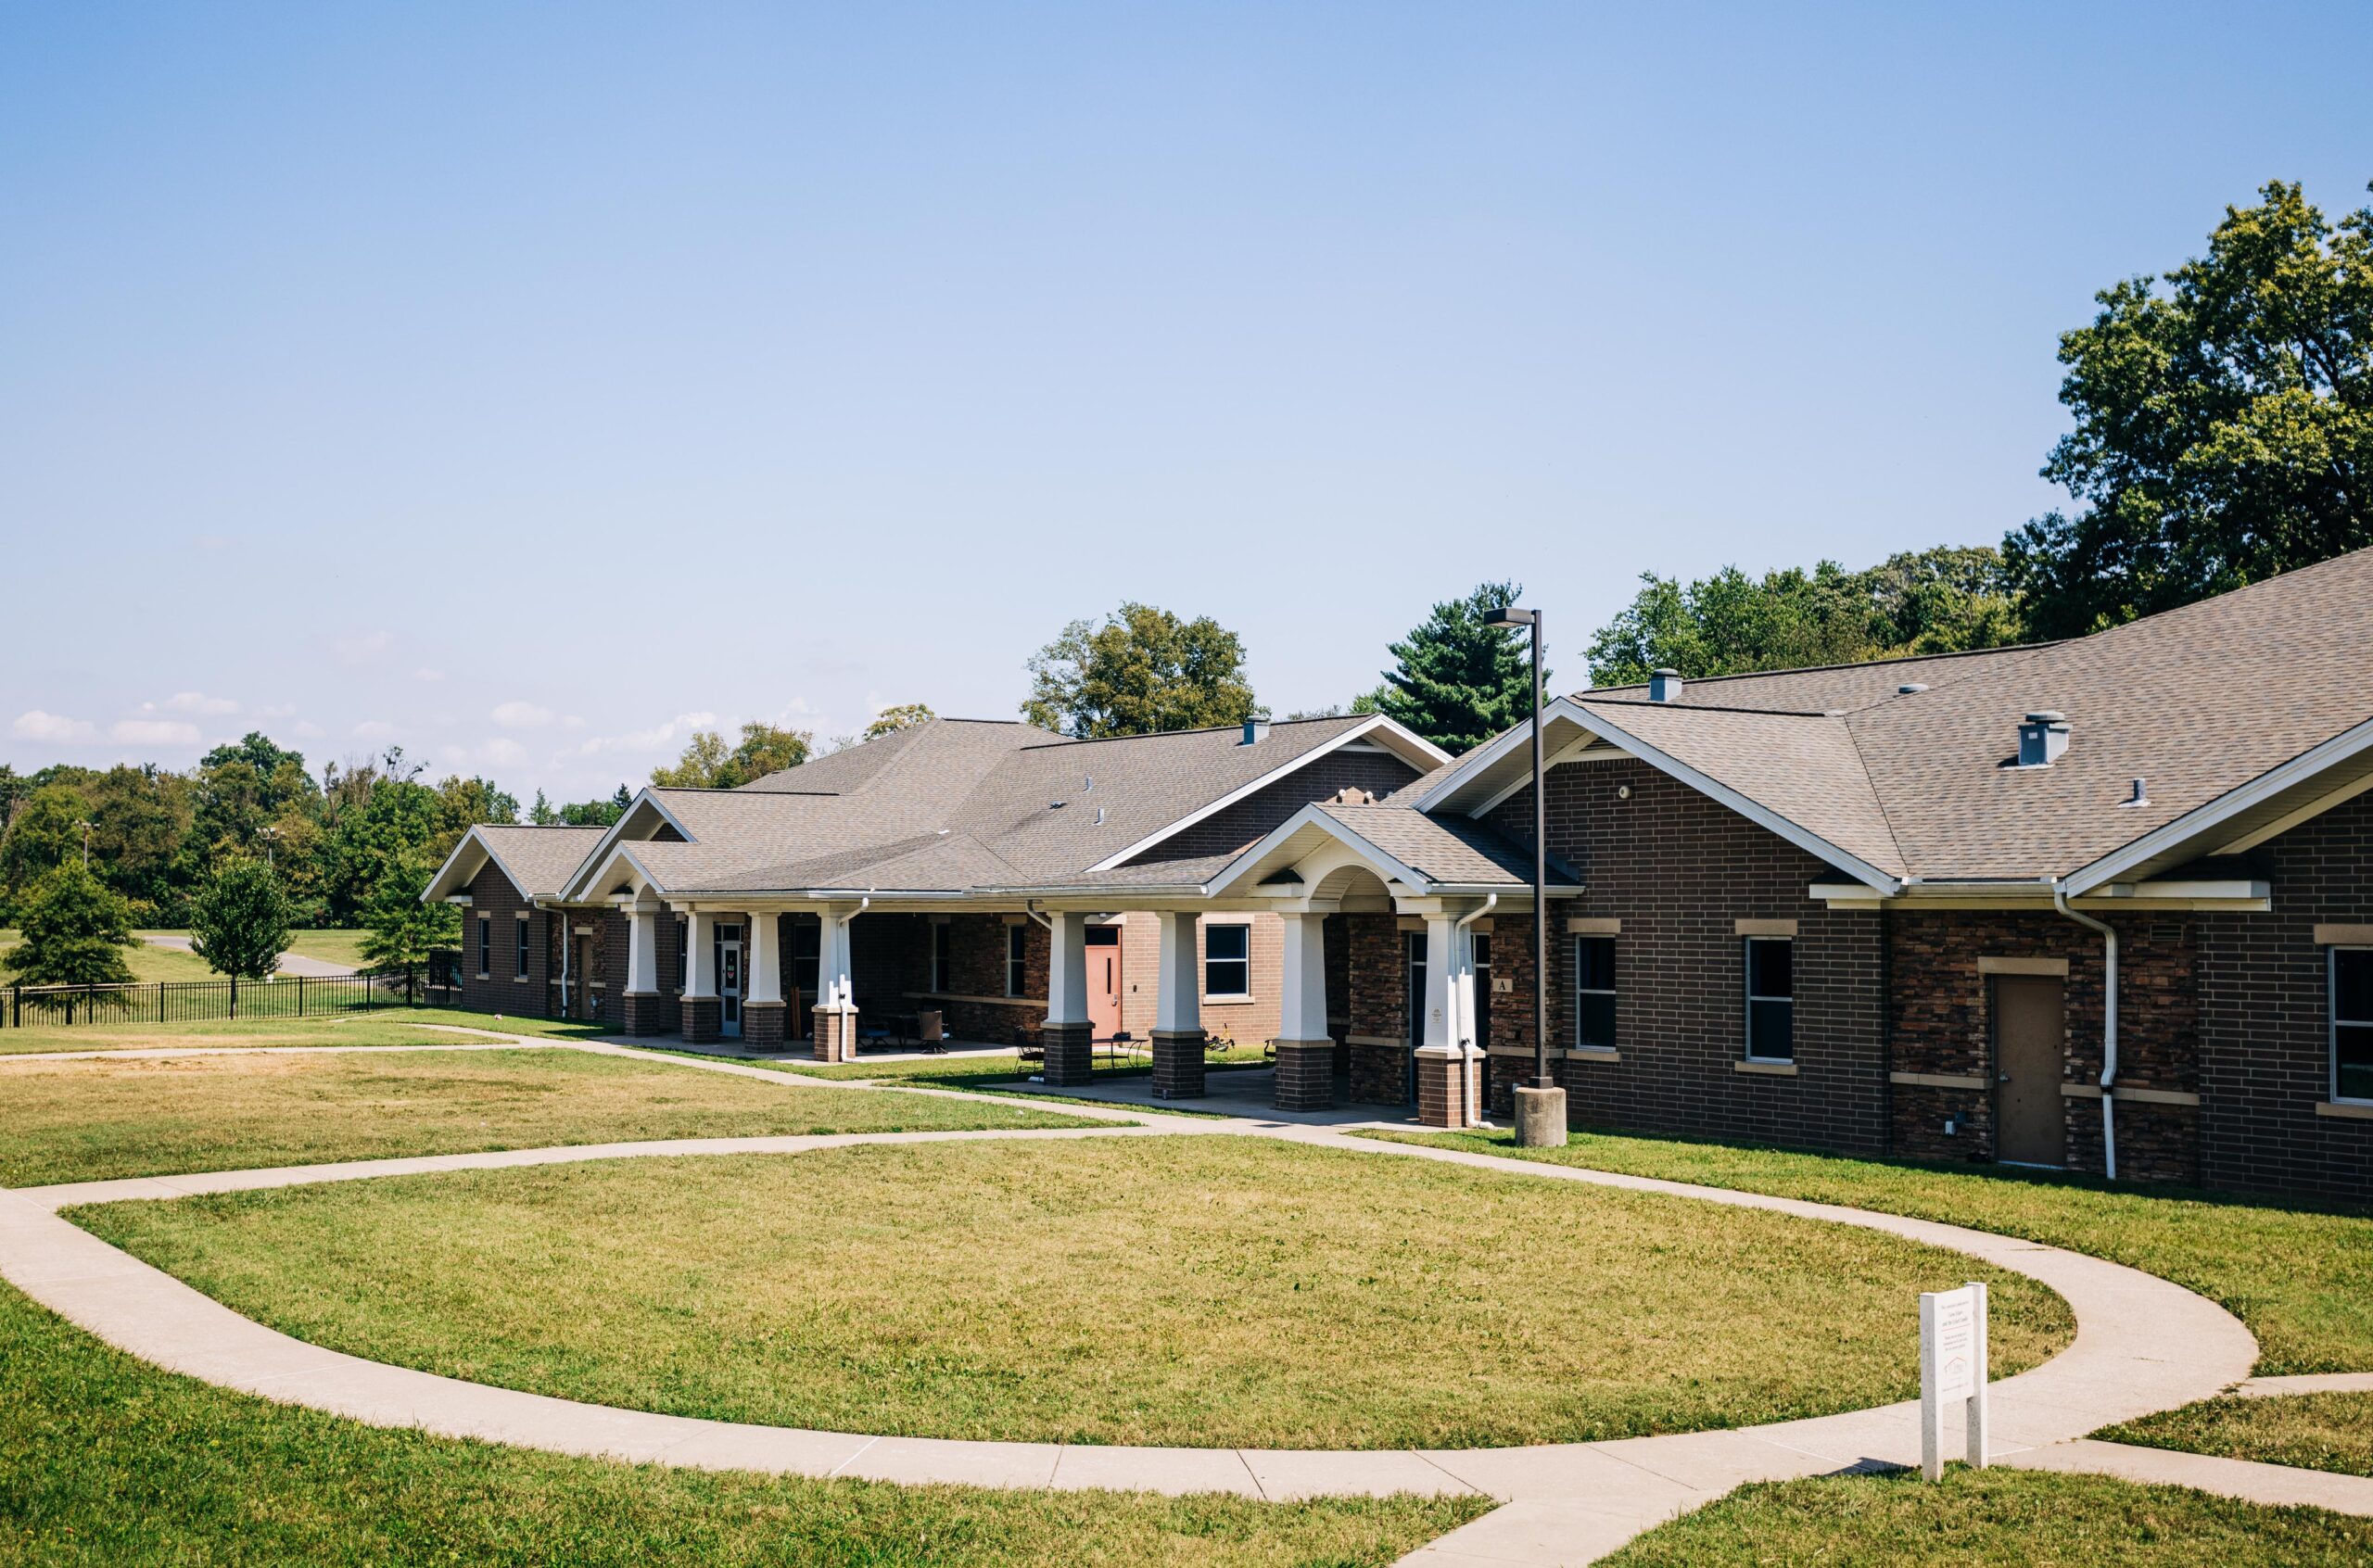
(2352, 985)
(1225, 941)
(1595, 1020)
(1595, 963)
(1482, 950)
(2352, 1061)
(1772, 1030)
(1771, 967)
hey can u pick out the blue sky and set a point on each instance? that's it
(520, 384)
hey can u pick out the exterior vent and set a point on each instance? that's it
(2141, 796)
(2042, 739)
(1909, 687)
(1255, 731)
(1664, 685)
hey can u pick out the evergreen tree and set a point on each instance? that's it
(239, 923)
(1459, 682)
(75, 930)
(541, 814)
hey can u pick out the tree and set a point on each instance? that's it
(75, 930)
(1143, 670)
(542, 814)
(1456, 681)
(239, 921)
(140, 829)
(1945, 600)
(372, 845)
(463, 803)
(906, 715)
(47, 832)
(597, 813)
(2224, 426)
(403, 930)
(709, 763)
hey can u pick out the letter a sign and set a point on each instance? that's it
(1952, 1367)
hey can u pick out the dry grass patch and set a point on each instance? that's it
(389, 1026)
(87, 1120)
(1195, 1290)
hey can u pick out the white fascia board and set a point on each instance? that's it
(469, 841)
(1394, 736)
(574, 887)
(1376, 725)
(1386, 867)
(1585, 747)
(2204, 818)
(1492, 751)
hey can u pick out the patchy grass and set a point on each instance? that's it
(147, 963)
(1195, 1290)
(330, 945)
(2311, 1431)
(85, 1121)
(2300, 1276)
(105, 1461)
(377, 1026)
(1995, 1519)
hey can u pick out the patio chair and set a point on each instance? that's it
(1029, 1047)
(932, 1032)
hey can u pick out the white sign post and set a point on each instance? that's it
(1952, 1366)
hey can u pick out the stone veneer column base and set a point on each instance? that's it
(1179, 1064)
(1450, 1086)
(762, 1024)
(1305, 1075)
(644, 1012)
(703, 1020)
(1070, 1053)
(835, 1033)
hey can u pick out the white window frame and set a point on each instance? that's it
(1017, 955)
(1580, 991)
(1746, 988)
(2332, 1022)
(943, 955)
(1244, 927)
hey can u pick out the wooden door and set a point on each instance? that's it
(2030, 1033)
(1104, 982)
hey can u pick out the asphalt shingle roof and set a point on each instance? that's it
(541, 859)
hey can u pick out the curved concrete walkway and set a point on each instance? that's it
(2142, 1345)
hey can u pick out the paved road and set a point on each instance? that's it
(291, 963)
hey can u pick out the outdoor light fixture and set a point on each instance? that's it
(1541, 1111)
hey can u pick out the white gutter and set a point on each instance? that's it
(2109, 1023)
(1457, 928)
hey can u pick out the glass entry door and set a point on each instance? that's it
(729, 979)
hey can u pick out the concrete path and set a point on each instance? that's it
(2306, 1383)
(291, 963)
(2278, 1486)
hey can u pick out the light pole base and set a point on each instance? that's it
(1540, 1118)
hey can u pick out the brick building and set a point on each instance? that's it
(2104, 904)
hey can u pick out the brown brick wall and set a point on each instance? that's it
(1236, 826)
(977, 961)
(493, 895)
(2264, 1018)
(1245, 1022)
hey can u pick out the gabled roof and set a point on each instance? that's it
(537, 861)
(1422, 853)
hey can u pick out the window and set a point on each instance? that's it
(683, 953)
(519, 948)
(2353, 1023)
(485, 946)
(943, 953)
(1771, 999)
(1015, 937)
(1227, 960)
(806, 955)
(1595, 993)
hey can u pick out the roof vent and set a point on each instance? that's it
(2141, 796)
(1909, 687)
(1349, 794)
(1664, 685)
(2042, 739)
(1255, 731)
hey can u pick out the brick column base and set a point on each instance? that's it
(1070, 1053)
(644, 1012)
(1379, 1074)
(762, 1024)
(1179, 1064)
(1305, 1075)
(835, 1033)
(1450, 1086)
(704, 1018)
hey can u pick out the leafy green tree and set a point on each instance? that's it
(906, 715)
(709, 763)
(542, 813)
(463, 803)
(2224, 424)
(1456, 681)
(372, 846)
(75, 929)
(597, 813)
(1730, 622)
(1945, 600)
(1143, 670)
(47, 832)
(141, 819)
(403, 930)
(239, 920)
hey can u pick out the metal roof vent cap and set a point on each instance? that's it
(1909, 686)
(2042, 738)
(1255, 731)
(1664, 685)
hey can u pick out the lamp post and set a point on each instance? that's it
(1541, 1105)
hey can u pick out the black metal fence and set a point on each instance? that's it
(287, 996)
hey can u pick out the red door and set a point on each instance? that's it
(1104, 980)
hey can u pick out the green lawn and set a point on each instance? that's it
(83, 1121)
(331, 946)
(2300, 1277)
(1995, 1519)
(104, 1460)
(376, 1026)
(2312, 1431)
(1194, 1290)
(150, 964)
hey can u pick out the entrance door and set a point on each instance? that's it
(2030, 1032)
(1104, 980)
(589, 1001)
(1414, 946)
(729, 979)
(1482, 941)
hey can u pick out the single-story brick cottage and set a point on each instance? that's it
(2103, 904)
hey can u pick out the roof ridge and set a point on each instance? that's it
(1159, 734)
(1857, 663)
(1709, 707)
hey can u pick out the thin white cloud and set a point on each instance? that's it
(425, 673)
(364, 648)
(56, 728)
(522, 715)
(651, 740)
(154, 732)
(373, 729)
(196, 702)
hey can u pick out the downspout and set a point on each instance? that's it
(1473, 1116)
(566, 944)
(1458, 929)
(2109, 1023)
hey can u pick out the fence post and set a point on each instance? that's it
(300, 996)
(235, 996)
(409, 994)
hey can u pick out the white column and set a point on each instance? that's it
(1178, 997)
(1067, 969)
(642, 948)
(765, 959)
(700, 972)
(1450, 985)
(1302, 1004)
(834, 988)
